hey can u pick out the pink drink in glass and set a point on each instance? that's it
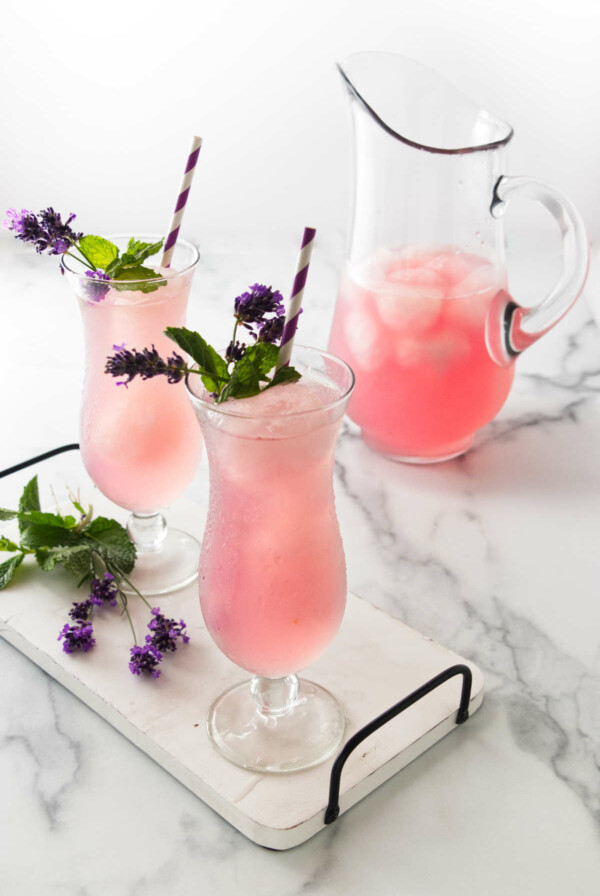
(411, 323)
(140, 443)
(272, 574)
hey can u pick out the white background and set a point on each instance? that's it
(99, 100)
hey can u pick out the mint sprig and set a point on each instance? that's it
(104, 255)
(248, 376)
(82, 547)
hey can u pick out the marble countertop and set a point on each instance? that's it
(495, 555)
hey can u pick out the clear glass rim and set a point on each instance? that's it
(226, 411)
(494, 144)
(155, 237)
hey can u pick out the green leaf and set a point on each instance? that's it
(77, 506)
(98, 251)
(7, 569)
(213, 368)
(137, 252)
(249, 371)
(284, 375)
(265, 355)
(135, 277)
(8, 514)
(30, 500)
(73, 558)
(42, 535)
(7, 545)
(52, 519)
(79, 564)
(111, 540)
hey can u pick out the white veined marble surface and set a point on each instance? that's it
(495, 555)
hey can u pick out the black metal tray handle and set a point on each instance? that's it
(333, 807)
(34, 460)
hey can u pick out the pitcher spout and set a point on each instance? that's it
(415, 105)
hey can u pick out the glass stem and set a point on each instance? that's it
(274, 696)
(147, 530)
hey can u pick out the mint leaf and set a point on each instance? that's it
(50, 519)
(77, 506)
(79, 564)
(30, 500)
(7, 545)
(213, 368)
(137, 252)
(79, 555)
(98, 251)
(284, 375)
(111, 540)
(265, 355)
(249, 371)
(135, 277)
(42, 535)
(7, 569)
(8, 514)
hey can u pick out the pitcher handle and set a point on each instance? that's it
(511, 328)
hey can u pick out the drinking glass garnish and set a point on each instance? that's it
(242, 371)
(98, 257)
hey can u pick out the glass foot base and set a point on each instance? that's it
(307, 734)
(173, 566)
(447, 453)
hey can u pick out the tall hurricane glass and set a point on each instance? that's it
(140, 442)
(272, 576)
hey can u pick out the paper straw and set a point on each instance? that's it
(293, 312)
(184, 191)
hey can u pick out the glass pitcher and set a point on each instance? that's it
(423, 315)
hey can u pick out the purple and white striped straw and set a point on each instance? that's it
(182, 198)
(293, 312)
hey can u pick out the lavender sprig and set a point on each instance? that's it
(46, 231)
(145, 660)
(145, 364)
(165, 631)
(252, 307)
(77, 637)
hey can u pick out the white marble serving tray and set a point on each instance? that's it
(374, 662)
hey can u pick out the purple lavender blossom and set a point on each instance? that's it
(165, 631)
(104, 591)
(234, 351)
(14, 220)
(145, 659)
(145, 364)
(46, 231)
(77, 637)
(81, 612)
(271, 330)
(97, 288)
(252, 307)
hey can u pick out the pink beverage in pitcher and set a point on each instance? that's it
(272, 573)
(140, 442)
(412, 325)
